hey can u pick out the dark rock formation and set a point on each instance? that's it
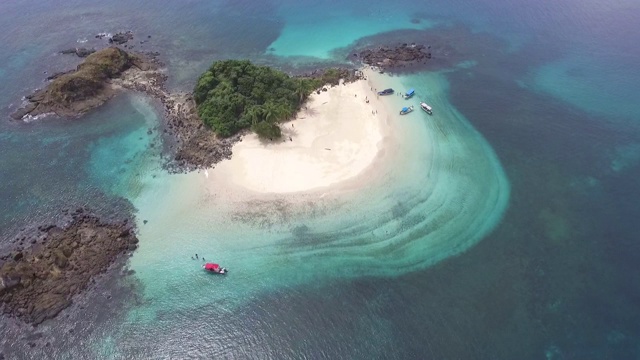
(192, 144)
(387, 57)
(80, 52)
(39, 282)
(195, 146)
(121, 38)
(75, 92)
(56, 75)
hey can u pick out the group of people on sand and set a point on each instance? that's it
(196, 258)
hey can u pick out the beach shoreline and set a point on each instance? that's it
(339, 141)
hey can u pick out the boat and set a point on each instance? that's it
(406, 110)
(385, 92)
(426, 108)
(215, 269)
(409, 94)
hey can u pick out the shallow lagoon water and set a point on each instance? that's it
(445, 208)
(395, 225)
(555, 278)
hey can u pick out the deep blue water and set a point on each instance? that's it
(552, 87)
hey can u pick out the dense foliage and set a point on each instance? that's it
(235, 94)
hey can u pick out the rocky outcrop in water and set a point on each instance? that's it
(121, 38)
(75, 92)
(195, 146)
(103, 73)
(388, 57)
(41, 276)
(80, 52)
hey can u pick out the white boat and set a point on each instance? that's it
(426, 108)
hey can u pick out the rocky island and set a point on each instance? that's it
(40, 276)
(391, 57)
(230, 98)
(102, 75)
(198, 137)
(88, 86)
(39, 280)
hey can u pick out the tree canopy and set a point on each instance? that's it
(235, 94)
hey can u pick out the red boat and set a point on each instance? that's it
(214, 268)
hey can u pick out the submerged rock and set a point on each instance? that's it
(386, 57)
(80, 52)
(121, 38)
(41, 282)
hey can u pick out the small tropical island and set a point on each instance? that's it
(234, 95)
(231, 100)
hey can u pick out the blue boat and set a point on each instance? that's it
(409, 94)
(406, 110)
(385, 92)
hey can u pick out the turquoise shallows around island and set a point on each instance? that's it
(506, 229)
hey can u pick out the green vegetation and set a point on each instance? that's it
(236, 94)
(88, 80)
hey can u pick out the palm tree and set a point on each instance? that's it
(255, 114)
(270, 112)
(301, 89)
(285, 112)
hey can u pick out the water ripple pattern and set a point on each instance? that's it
(440, 190)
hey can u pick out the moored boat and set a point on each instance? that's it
(426, 108)
(214, 268)
(406, 110)
(409, 94)
(386, 92)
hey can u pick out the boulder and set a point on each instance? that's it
(80, 52)
(48, 306)
(121, 38)
(8, 282)
(24, 111)
(87, 235)
(84, 52)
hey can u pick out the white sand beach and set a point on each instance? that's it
(335, 137)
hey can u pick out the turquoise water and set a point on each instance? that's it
(410, 222)
(308, 35)
(506, 229)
